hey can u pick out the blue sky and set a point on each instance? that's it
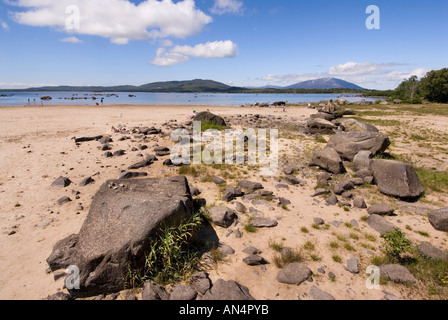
(237, 42)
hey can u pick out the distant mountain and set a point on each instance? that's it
(324, 83)
(169, 86)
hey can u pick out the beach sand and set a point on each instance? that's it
(36, 147)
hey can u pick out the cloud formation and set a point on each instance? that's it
(71, 40)
(227, 6)
(180, 54)
(119, 20)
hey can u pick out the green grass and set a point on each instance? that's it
(337, 258)
(281, 260)
(436, 181)
(173, 256)
(207, 125)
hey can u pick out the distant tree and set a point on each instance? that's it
(409, 91)
(435, 86)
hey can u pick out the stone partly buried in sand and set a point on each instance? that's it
(120, 226)
(210, 117)
(396, 179)
(439, 219)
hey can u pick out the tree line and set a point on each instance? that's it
(433, 87)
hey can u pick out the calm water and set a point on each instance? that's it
(138, 98)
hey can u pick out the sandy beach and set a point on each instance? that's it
(36, 147)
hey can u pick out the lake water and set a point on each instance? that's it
(138, 98)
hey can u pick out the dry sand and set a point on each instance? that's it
(36, 147)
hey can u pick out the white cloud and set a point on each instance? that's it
(180, 54)
(4, 25)
(356, 69)
(401, 76)
(72, 40)
(119, 20)
(166, 59)
(227, 6)
(216, 49)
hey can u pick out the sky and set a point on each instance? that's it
(248, 43)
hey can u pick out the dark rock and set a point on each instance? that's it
(227, 290)
(321, 126)
(362, 160)
(382, 209)
(255, 260)
(201, 282)
(263, 223)
(397, 179)
(342, 186)
(250, 185)
(352, 265)
(439, 219)
(105, 140)
(294, 273)
(122, 223)
(350, 124)
(61, 182)
(222, 216)
(348, 144)
(87, 139)
(294, 180)
(218, 180)
(283, 202)
(119, 153)
(232, 193)
(64, 200)
(397, 273)
(86, 181)
(318, 294)
(318, 221)
(328, 159)
(429, 251)
(130, 174)
(210, 117)
(359, 203)
(252, 250)
(60, 296)
(195, 192)
(153, 292)
(380, 224)
(108, 154)
(182, 292)
(240, 207)
(333, 200)
(142, 164)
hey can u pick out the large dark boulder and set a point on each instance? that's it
(439, 219)
(397, 179)
(328, 159)
(210, 117)
(348, 144)
(124, 218)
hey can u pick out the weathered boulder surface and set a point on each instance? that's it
(294, 273)
(124, 218)
(439, 219)
(227, 290)
(210, 117)
(328, 159)
(380, 224)
(397, 179)
(318, 125)
(397, 273)
(348, 144)
(349, 125)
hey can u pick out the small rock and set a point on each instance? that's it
(64, 200)
(352, 265)
(318, 294)
(254, 260)
(359, 203)
(382, 209)
(333, 200)
(61, 182)
(294, 273)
